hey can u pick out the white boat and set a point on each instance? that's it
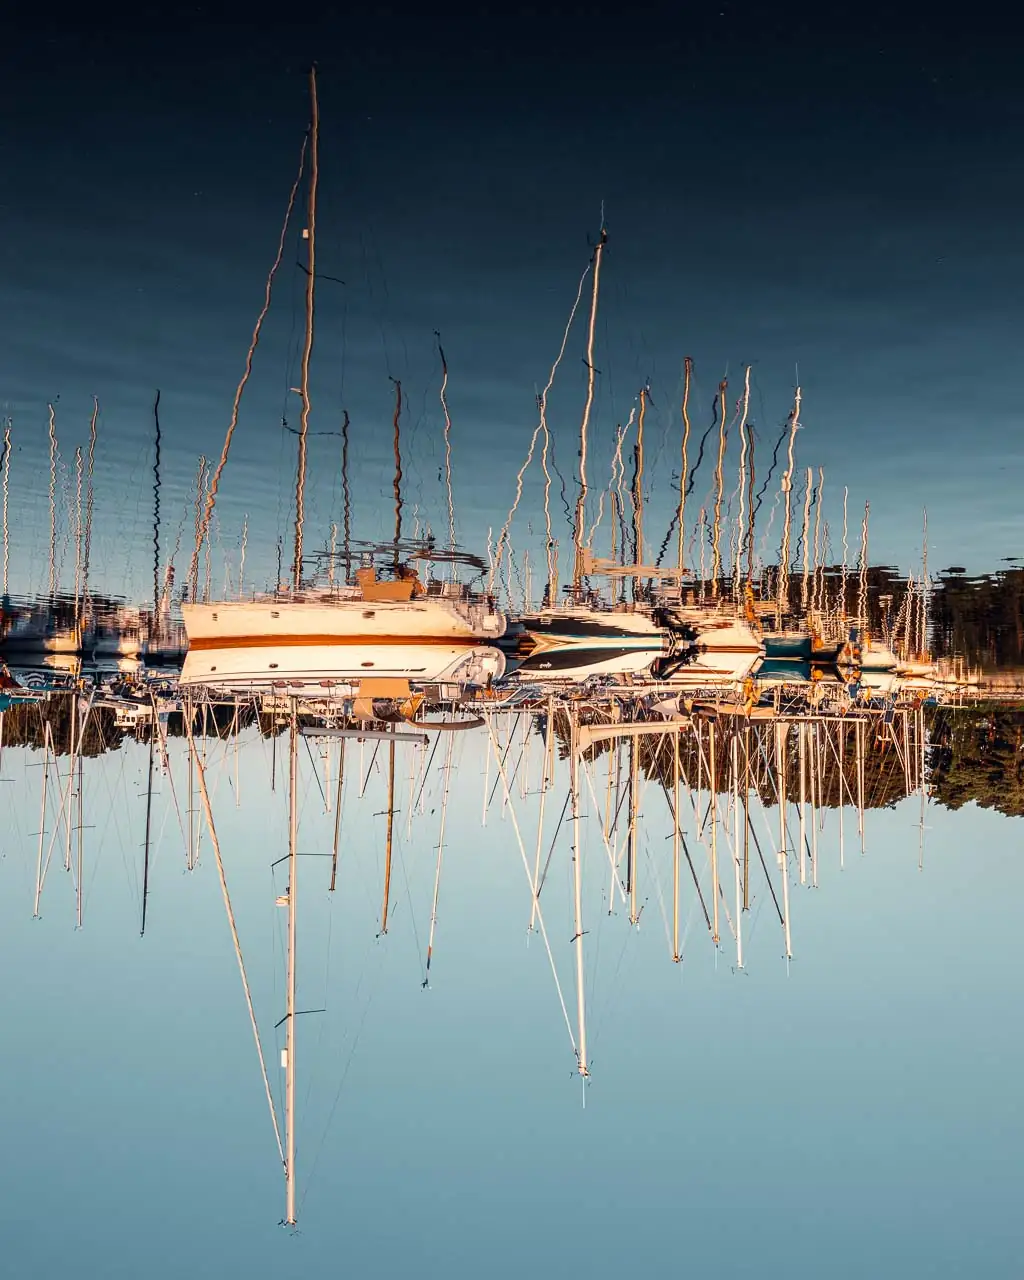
(577, 643)
(710, 668)
(320, 666)
(117, 633)
(878, 682)
(594, 628)
(720, 633)
(877, 657)
(725, 650)
(370, 612)
(42, 627)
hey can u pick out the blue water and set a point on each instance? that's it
(827, 201)
(863, 1093)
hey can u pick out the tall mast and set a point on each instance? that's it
(87, 540)
(440, 856)
(750, 504)
(79, 628)
(53, 505)
(149, 816)
(337, 815)
(581, 501)
(447, 450)
(742, 486)
(69, 823)
(675, 843)
(737, 870)
(846, 555)
(346, 496)
(387, 846)
(787, 488)
(193, 582)
(293, 818)
(781, 733)
(687, 374)
(801, 739)
(156, 507)
(638, 490)
(818, 591)
(307, 349)
(545, 782)
(746, 816)
(581, 1009)
(925, 589)
(713, 785)
(862, 600)
(806, 537)
(6, 487)
(634, 792)
(716, 533)
(397, 482)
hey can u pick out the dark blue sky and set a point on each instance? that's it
(814, 188)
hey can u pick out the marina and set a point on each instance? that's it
(482, 787)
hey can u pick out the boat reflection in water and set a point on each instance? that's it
(372, 630)
(765, 756)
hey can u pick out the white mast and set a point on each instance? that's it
(6, 486)
(801, 740)
(634, 791)
(687, 374)
(581, 501)
(307, 349)
(675, 844)
(289, 1161)
(713, 783)
(440, 855)
(716, 534)
(806, 539)
(736, 848)
(546, 770)
(782, 604)
(781, 730)
(53, 506)
(581, 1012)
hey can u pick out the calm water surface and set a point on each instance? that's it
(862, 1093)
(851, 1111)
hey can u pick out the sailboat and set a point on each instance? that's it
(316, 662)
(587, 636)
(370, 611)
(391, 625)
(577, 642)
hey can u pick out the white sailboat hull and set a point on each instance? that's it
(574, 644)
(877, 657)
(717, 667)
(729, 637)
(265, 666)
(555, 666)
(331, 619)
(596, 628)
